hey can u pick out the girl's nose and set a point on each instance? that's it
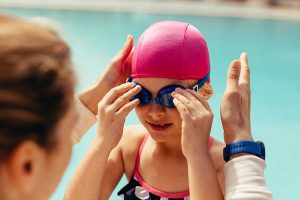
(156, 111)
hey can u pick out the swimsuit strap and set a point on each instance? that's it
(148, 187)
(138, 157)
(210, 142)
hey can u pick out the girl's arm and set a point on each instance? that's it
(87, 179)
(112, 111)
(196, 125)
(203, 182)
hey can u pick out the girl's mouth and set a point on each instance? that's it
(159, 126)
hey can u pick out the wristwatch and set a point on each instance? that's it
(250, 147)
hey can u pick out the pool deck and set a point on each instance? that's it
(253, 9)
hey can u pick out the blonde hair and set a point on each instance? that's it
(36, 83)
(206, 90)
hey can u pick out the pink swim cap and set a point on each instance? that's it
(171, 49)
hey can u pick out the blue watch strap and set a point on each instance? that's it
(251, 147)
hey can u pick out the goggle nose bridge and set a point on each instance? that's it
(154, 101)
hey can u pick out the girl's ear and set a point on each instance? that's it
(24, 168)
(206, 90)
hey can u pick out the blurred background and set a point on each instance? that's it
(268, 30)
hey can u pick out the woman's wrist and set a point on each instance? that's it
(232, 137)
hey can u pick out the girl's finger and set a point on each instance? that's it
(196, 99)
(191, 107)
(200, 98)
(125, 110)
(123, 99)
(114, 93)
(183, 111)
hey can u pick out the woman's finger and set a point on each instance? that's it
(125, 50)
(114, 93)
(233, 76)
(124, 98)
(245, 72)
(128, 61)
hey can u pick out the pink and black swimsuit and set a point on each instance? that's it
(138, 189)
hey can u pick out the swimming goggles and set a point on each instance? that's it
(164, 96)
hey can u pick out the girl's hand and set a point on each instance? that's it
(235, 105)
(197, 120)
(112, 111)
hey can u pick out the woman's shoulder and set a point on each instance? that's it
(132, 139)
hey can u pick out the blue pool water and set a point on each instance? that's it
(273, 47)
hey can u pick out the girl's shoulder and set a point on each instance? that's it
(216, 153)
(130, 143)
(133, 136)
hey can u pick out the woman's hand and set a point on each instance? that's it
(115, 73)
(112, 111)
(119, 68)
(235, 105)
(197, 120)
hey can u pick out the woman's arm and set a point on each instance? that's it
(116, 73)
(244, 174)
(245, 180)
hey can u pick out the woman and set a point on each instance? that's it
(37, 107)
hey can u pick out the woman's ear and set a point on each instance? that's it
(25, 168)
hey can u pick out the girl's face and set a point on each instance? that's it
(161, 122)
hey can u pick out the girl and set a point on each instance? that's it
(155, 156)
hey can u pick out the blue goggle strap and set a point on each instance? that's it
(201, 82)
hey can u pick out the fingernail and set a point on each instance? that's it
(128, 37)
(244, 54)
(178, 89)
(137, 87)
